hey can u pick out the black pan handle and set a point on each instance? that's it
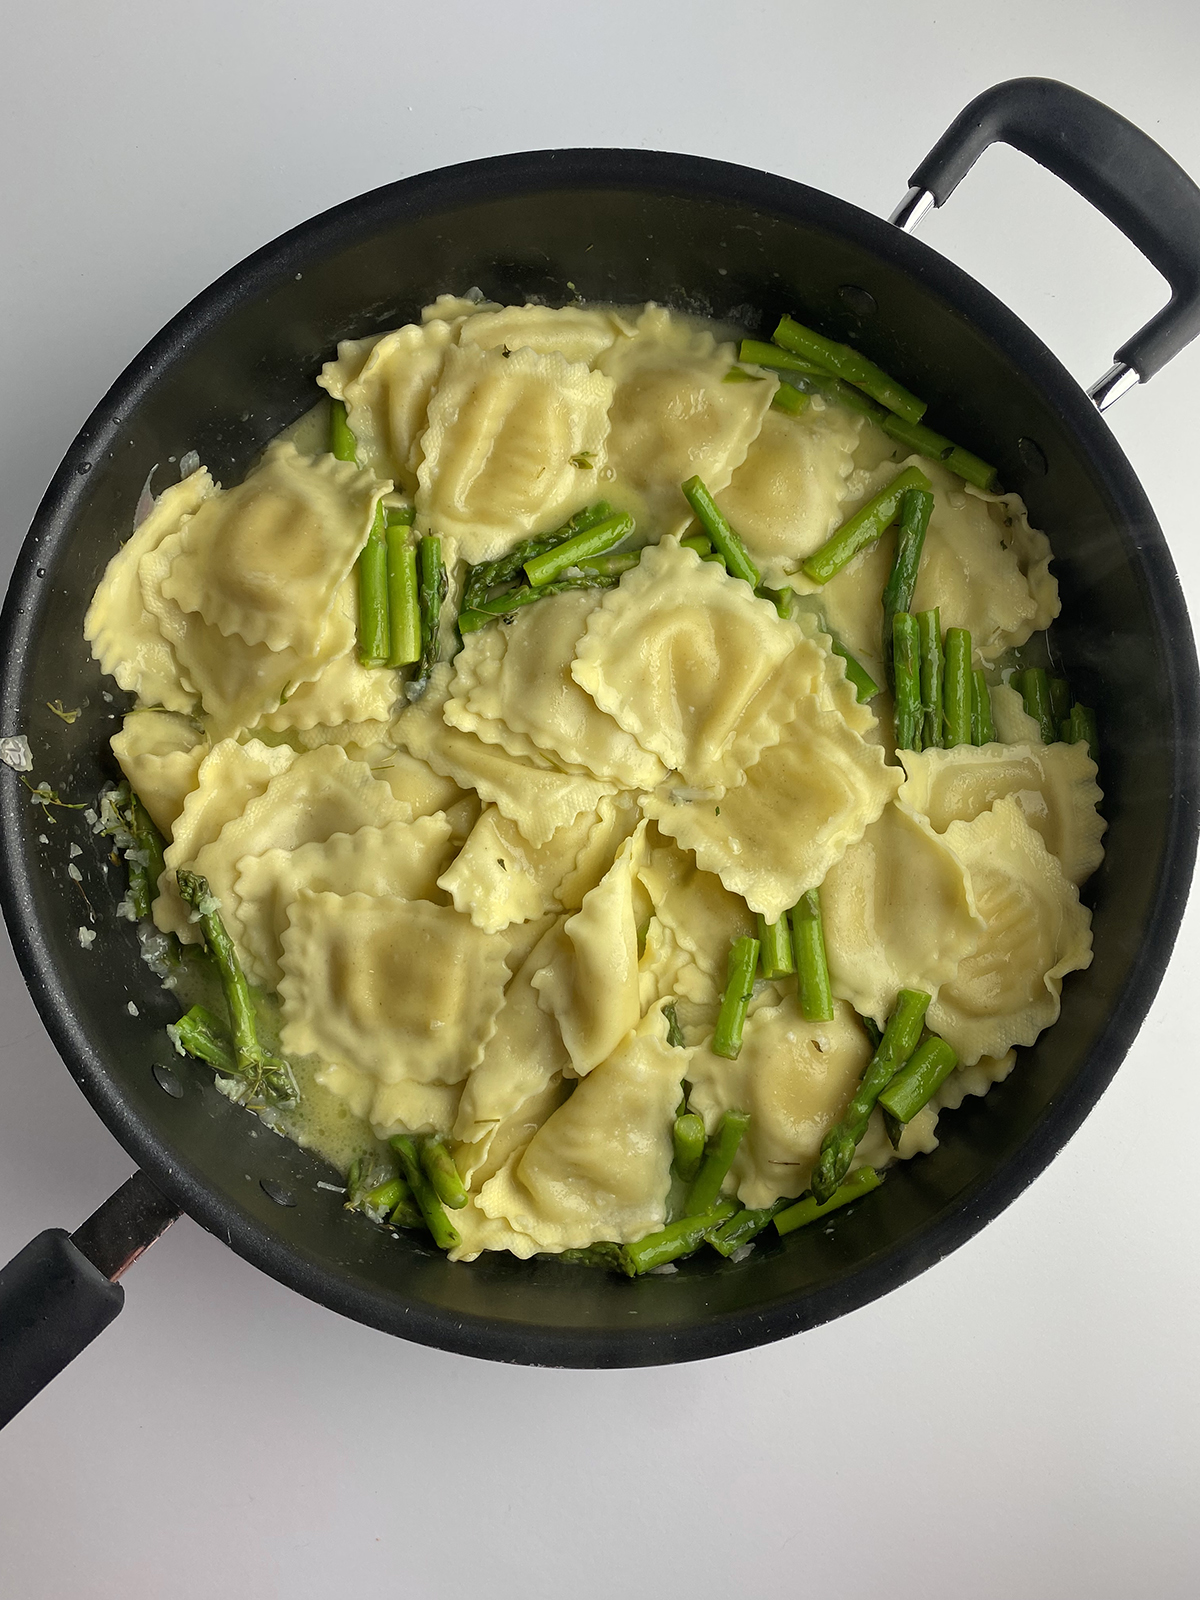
(1115, 166)
(62, 1289)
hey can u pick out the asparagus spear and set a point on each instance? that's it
(810, 1208)
(688, 1135)
(929, 632)
(445, 1234)
(743, 1226)
(930, 1064)
(956, 689)
(373, 628)
(595, 541)
(864, 684)
(915, 510)
(898, 1043)
(1034, 687)
(142, 846)
(906, 667)
(675, 1240)
(611, 566)
(739, 986)
(789, 399)
(699, 542)
(1082, 727)
(869, 523)
(507, 605)
(341, 440)
(442, 1173)
(1060, 700)
(404, 600)
(431, 591)
(675, 1036)
(937, 448)
(204, 1036)
(263, 1075)
(983, 730)
(812, 967)
(491, 574)
(782, 600)
(724, 541)
(760, 354)
(775, 947)
(718, 1158)
(849, 365)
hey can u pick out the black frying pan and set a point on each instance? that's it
(237, 365)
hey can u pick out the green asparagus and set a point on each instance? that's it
(906, 666)
(983, 730)
(869, 523)
(784, 602)
(724, 541)
(341, 440)
(956, 688)
(744, 1225)
(445, 1234)
(847, 364)
(929, 633)
(1034, 687)
(915, 510)
(936, 448)
(760, 354)
(263, 1077)
(431, 591)
(898, 1043)
(775, 947)
(809, 1209)
(1082, 729)
(865, 686)
(595, 541)
(442, 1173)
(789, 399)
(404, 601)
(688, 1136)
(930, 1064)
(507, 605)
(1060, 700)
(373, 629)
(204, 1036)
(676, 1239)
(739, 986)
(718, 1158)
(812, 966)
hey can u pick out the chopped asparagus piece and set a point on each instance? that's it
(846, 363)
(865, 687)
(1083, 729)
(442, 1173)
(507, 605)
(739, 986)
(688, 1135)
(724, 541)
(431, 591)
(674, 1031)
(676, 1239)
(204, 1036)
(983, 730)
(930, 1064)
(718, 1158)
(810, 1209)
(937, 448)
(404, 597)
(956, 688)
(595, 541)
(263, 1076)
(445, 1234)
(341, 440)
(869, 523)
(906, 667)
(743, 1226)
(373, 629)
(812, 966)
(775, 947)
(929, 632)
(1034, 687)
(790, 400)
(1060, 700)
(898, 1043)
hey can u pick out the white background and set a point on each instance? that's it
(1021, 1421)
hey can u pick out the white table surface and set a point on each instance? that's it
(1021, 1421)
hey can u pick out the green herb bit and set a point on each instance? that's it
(899, 1041)
(584, 460)
(868, 524)
(906, 671)
(983, 729)
(790, 400)
(915, 510)
(675, 1036)
(775, 947)
(442, 1173)
(342, 443)
(724, 541)
(813, 988)
(404, 598)
(781, 599)
(551, 564)
(265, 1078)
(810, 1209)
(445, 1234)
(846, 363)
(61, 711)
(373, 630)
(688, 1138)
(735, 1003)
(675, 1240)
(743, 1226)
(956, 688)
(929, 633)
(1035, 692)
(937, 448)
(718, 1158)
(930, 1064)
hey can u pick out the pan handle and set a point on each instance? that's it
(59, 1292)
(1115, 166)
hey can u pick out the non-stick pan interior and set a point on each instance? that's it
(623, 227)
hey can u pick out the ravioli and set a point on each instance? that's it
(160, 752)
(574, 333)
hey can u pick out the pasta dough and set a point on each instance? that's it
(160, 753)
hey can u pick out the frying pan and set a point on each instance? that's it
(610, 225)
